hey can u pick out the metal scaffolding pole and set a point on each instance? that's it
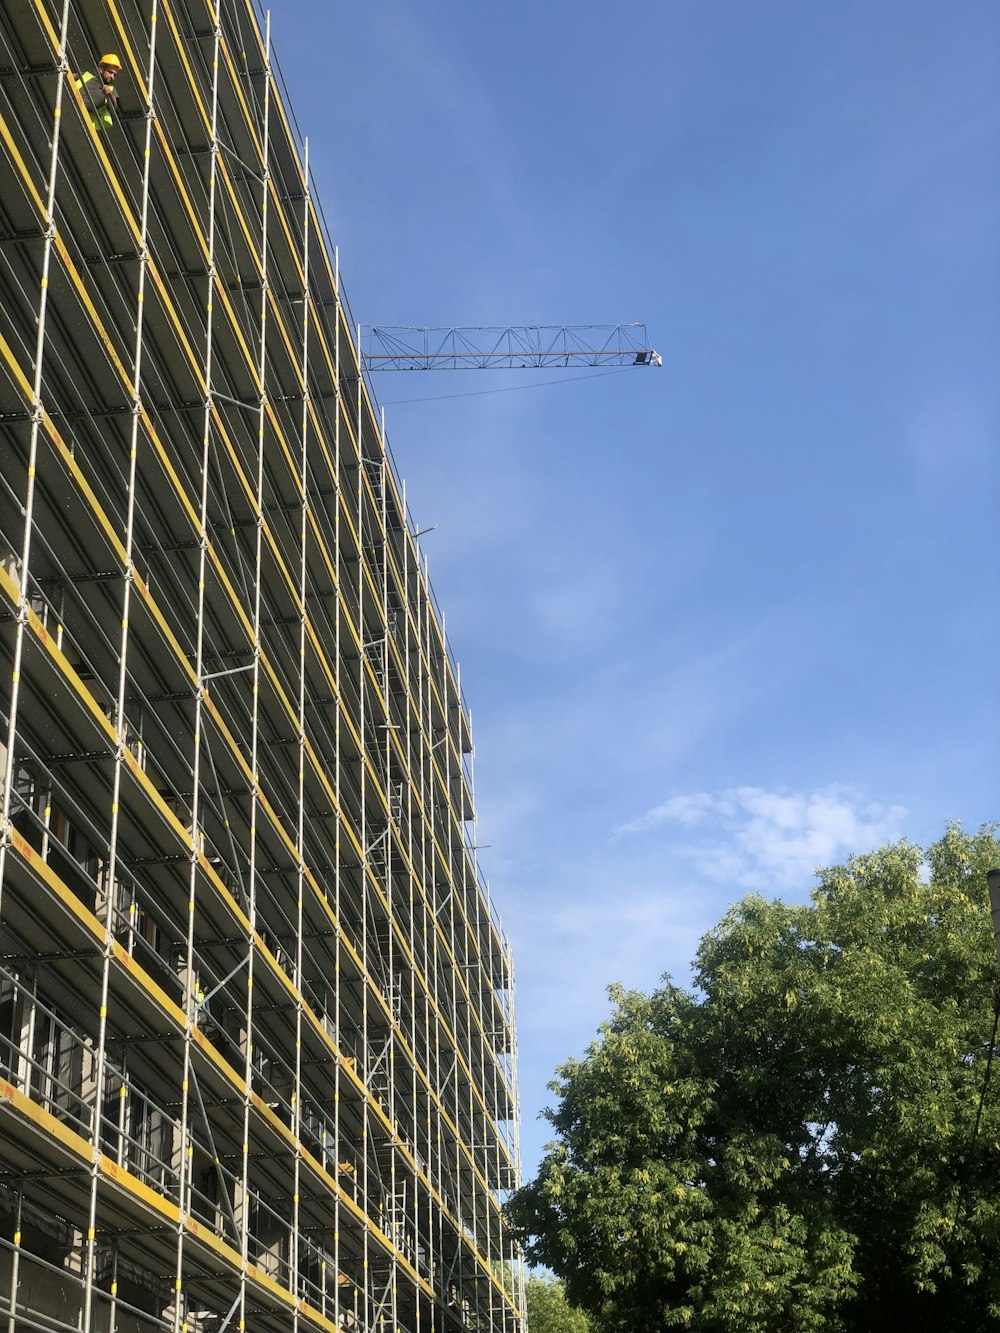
(121, 723)
(338, 410)
(247, 1214)
(191, 993)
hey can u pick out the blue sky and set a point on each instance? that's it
(726, 621)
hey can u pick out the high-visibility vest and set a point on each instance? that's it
(100, 117)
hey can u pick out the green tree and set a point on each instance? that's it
(548, 1309)
(801, 1143)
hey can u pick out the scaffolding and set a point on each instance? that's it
(257, 1047)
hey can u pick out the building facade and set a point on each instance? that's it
(256, 1031)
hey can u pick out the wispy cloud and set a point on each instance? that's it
(771, 840)
(568, 952)
(681, 809)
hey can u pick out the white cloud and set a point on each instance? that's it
(772, 840)
(690, 809)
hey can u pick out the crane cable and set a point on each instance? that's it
(511, 388)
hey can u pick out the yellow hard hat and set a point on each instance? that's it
(111, 61)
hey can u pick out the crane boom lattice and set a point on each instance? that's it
(514, 347)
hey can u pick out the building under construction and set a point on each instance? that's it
(256, 1031)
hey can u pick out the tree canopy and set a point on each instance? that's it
(548, 1309)
(801, 1142)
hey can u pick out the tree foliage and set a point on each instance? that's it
(793, 1145)
(548, 1309)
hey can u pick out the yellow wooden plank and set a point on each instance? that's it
(180, 46)
(13, 1100)
(40, 867)
(131, 1184)
(20, 379)
(46, 23)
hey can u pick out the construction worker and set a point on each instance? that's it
(99, 95)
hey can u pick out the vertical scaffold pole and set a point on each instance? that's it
(435, 1142)
(300, 830)
(113, 1304)
(37, 420)
(122, 751)
(191, 986)
(512, 1036)
(365, 1053)
(392, 965)
(15, 1261)
(255, 731)
(417, 754)
(421, 910)
(338, 669)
